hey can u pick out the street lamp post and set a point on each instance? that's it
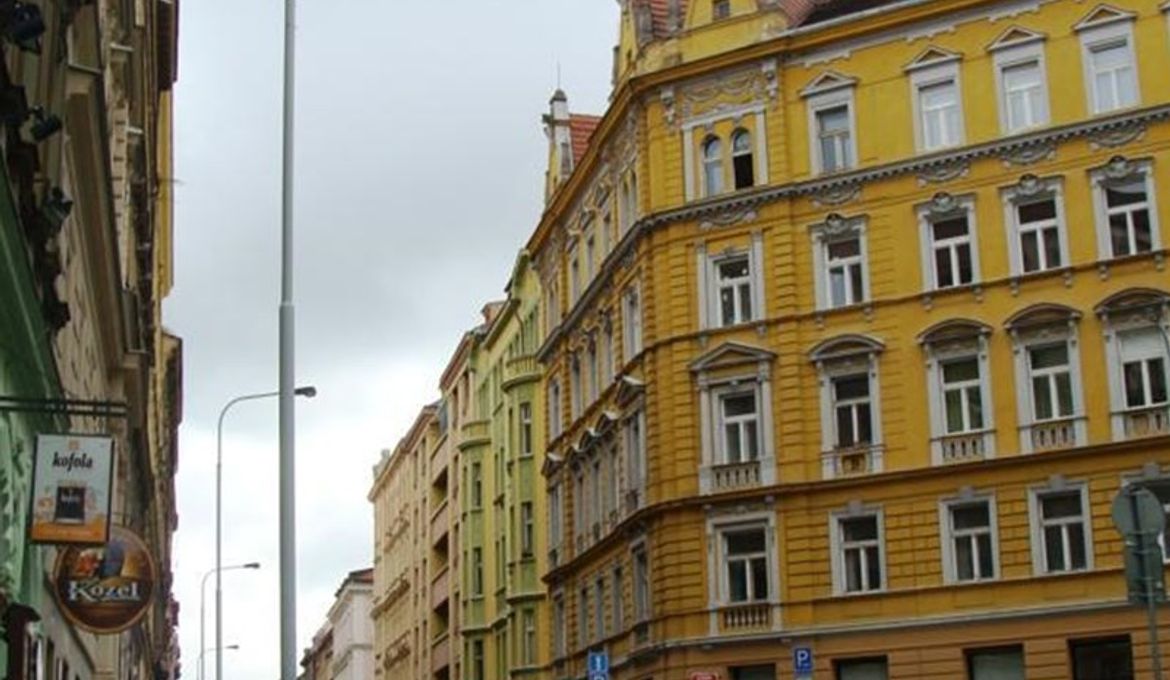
(203, 606)
(307, 391)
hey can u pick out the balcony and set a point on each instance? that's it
(520, 369)
(441, 588)
(441, 653)
(742, 618)
(851, 461)
(963, 448)
(440, 523)
(1147, 422)
(731, 476)
(440, 459)
(1051, 435)
(475, 431)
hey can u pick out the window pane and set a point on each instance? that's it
(874, 572)
(737, 581)
(858, 285)
(1057, 506)
(1054, 549)
(1119, 235)
(844, 249)
(862, 670)
(727, 306)
(745, 301)
(1157, 380)
(964, 558)
(835, 119)
(734, 445)
(1134, 376)
(1127, 193)
(733, 269)
(1102, 660)
(739, 405)
(745, 542)
(837, 286)
(1064, 398)
(1049, 357)
(999, 664)
(1042, 398)
(1141, 231)
(864, 424)
(966, 271)
(944, 271)
(759, 578)
(961, 371)
(954, 406)
(986, 563)
(975, 407)
(853, 387)
(860, 529)
(1041, 211)
(845, 434)
(951, 228)
(1052, 248)
(1030, 251)
(741, 142)
(853, 571)
(1076, 537)
(971, 516)
(753, 443)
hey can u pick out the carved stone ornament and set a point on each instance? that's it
(667, 97)
(771, 81)
(1029, 155)
(1030, 185)
(838, 194)
(725, 92)
(943, 204)
(1119, 168)
(1116, 137)
(835, 226)
(729, 217)
(944, 173)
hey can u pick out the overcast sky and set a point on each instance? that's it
(420, 161)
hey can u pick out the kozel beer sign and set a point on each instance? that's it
(72, 475)
(105, 589)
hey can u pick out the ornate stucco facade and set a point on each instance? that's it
(856, 323)
(86, 211)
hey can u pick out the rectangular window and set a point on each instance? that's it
(745, 558)
(574, 276)
(843, 267)
(554, 409)
(1114, 76)
(862, 669)
(1038, 228)
(527, 529)
(590, 256)
(599, 608)
(852, 409)
(734, 288)
(580, 506)
(860, 546)
(1063, 531)
(1108, 659)
(583, 617)
(635, 455)
(554, 516)
(1000, 663)
(835, 138)
(594, 365)
(739, 422)
(1051, 376)
(618, 605)
(528, 652)
(970, 541)
(608, 357)
(559, 624)
(476, 572)
(720, 9)
(951, 250)
(525, 429)
(476, 486)
(477, 663)
(962, 395)
(576, 395)
(1024, 99)
(595, 492)
(1127, 209)
(641, 585)
(632, 324)
(1143, 368)
(938, 104)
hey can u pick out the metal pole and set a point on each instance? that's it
(1145, 540)
(288, 566)
(203, 620)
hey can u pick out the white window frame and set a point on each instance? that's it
(634, 443)
(838, 547)
(632, 322)
(743, 423)
(924, 76)
(599, 607)
(556, 518)
(1120, 170)
(945, 207)
(555, 420)
(1039, 551)
(710, 310)
(712, 168)
(1028, 191)
(1116, 325)
(833, 230)
(528, 646)
(527, 529)
(643, 584)
(720, 121)
(1024, 340)
(944, 352)
(618, 603)
(1015, 54)
(1097, 35)
(834, 93)
(858, 360)
(750, 152)
(948, 536)
(525, 416)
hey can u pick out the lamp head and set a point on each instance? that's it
(252, 565)
(307, 391)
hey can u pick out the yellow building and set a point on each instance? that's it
(857, 319)
(503, 542)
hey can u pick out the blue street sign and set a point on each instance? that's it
(598, 663)
(599, 676)
(802, 659)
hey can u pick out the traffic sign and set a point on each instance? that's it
(1138, 511)
(802, 660)
(598, 664)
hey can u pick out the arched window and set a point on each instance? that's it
(713, 166)
(741, 159)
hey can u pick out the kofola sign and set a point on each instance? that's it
(72, 477)
(105, 589)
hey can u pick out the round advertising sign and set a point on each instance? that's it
(105, 589)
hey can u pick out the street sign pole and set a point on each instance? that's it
(1138, 516)
(1145, 540)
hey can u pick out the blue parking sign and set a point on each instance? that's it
(802, 660)
(598, 663)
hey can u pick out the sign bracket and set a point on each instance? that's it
(64, 407)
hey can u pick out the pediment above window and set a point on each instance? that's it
(1014, 37)
(933, 56)
(731, 354)
(827, 82)
(953, 330)
(629, 389)
(843, 346)
(1102, 15)
(1135, 301)
(1043, 314)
